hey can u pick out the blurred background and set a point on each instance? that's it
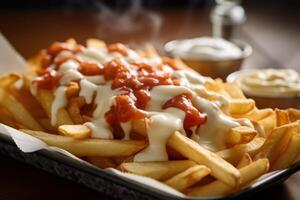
(272, 27)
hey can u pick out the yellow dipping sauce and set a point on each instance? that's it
(274, 83)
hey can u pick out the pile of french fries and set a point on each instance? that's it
(274, 144)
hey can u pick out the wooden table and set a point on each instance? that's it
(272, 30)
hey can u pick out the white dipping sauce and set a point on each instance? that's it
(205, 48)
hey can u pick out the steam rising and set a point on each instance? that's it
(134, 19)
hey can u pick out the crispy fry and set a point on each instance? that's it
(282, 117)
(101, 162)
(240, 106)
(45, 98)
(235, 154)
(246, 160)
(219, 168)
(289, 155)
(75, 131)
(19, 112)
(73, 108)
(46, 124)
(9, 80)
(7, 118)
(90, 147)
(73, 90)
(277, 141)
(294, 114)
(233, 91)
(188, 177)
(28, 101)
(240, 135)
(160, 170)
(248, 174)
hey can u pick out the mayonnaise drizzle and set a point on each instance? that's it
(60, 101)
(162, 126)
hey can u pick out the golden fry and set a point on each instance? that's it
(90, 147)
(220, 168)
(282, 117)
(248, 174)
(235, 154)
(18, 111)
(160, 170)
(45, 98)
(188, 177)
(289, 155)
(246, 160)
(240, 135)
(277, 141)
(75, 131)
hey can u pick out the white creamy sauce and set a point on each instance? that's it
(100, 128)
(162, 125)
(205, 48)
(33, 89)
(96, 55)
(189, 77)
(104, 99)
(96, 79)
(211, 134)
(19, 84)
(87, 90)
(68, 65)
(70, 75)
(60, 101)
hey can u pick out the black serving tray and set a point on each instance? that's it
(112, 185)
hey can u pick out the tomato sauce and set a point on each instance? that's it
(192, 116)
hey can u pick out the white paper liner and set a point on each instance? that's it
(11, 61)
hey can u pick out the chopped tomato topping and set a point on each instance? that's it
(192, 116)
(47, 81)
(89, 69)
(124, 110)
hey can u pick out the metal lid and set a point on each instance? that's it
(228, 13)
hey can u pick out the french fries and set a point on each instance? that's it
(75, 131)
(235, 153)
(240, 106)
(18, 111)
(248, 174)
(90, 147)
(246, 160)
(193, 151)
(188, 177)
(45, 98)
(289, 155)
(240, 135)
(277, 141)
(270, 141)
(160, 170)
(282, 117)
